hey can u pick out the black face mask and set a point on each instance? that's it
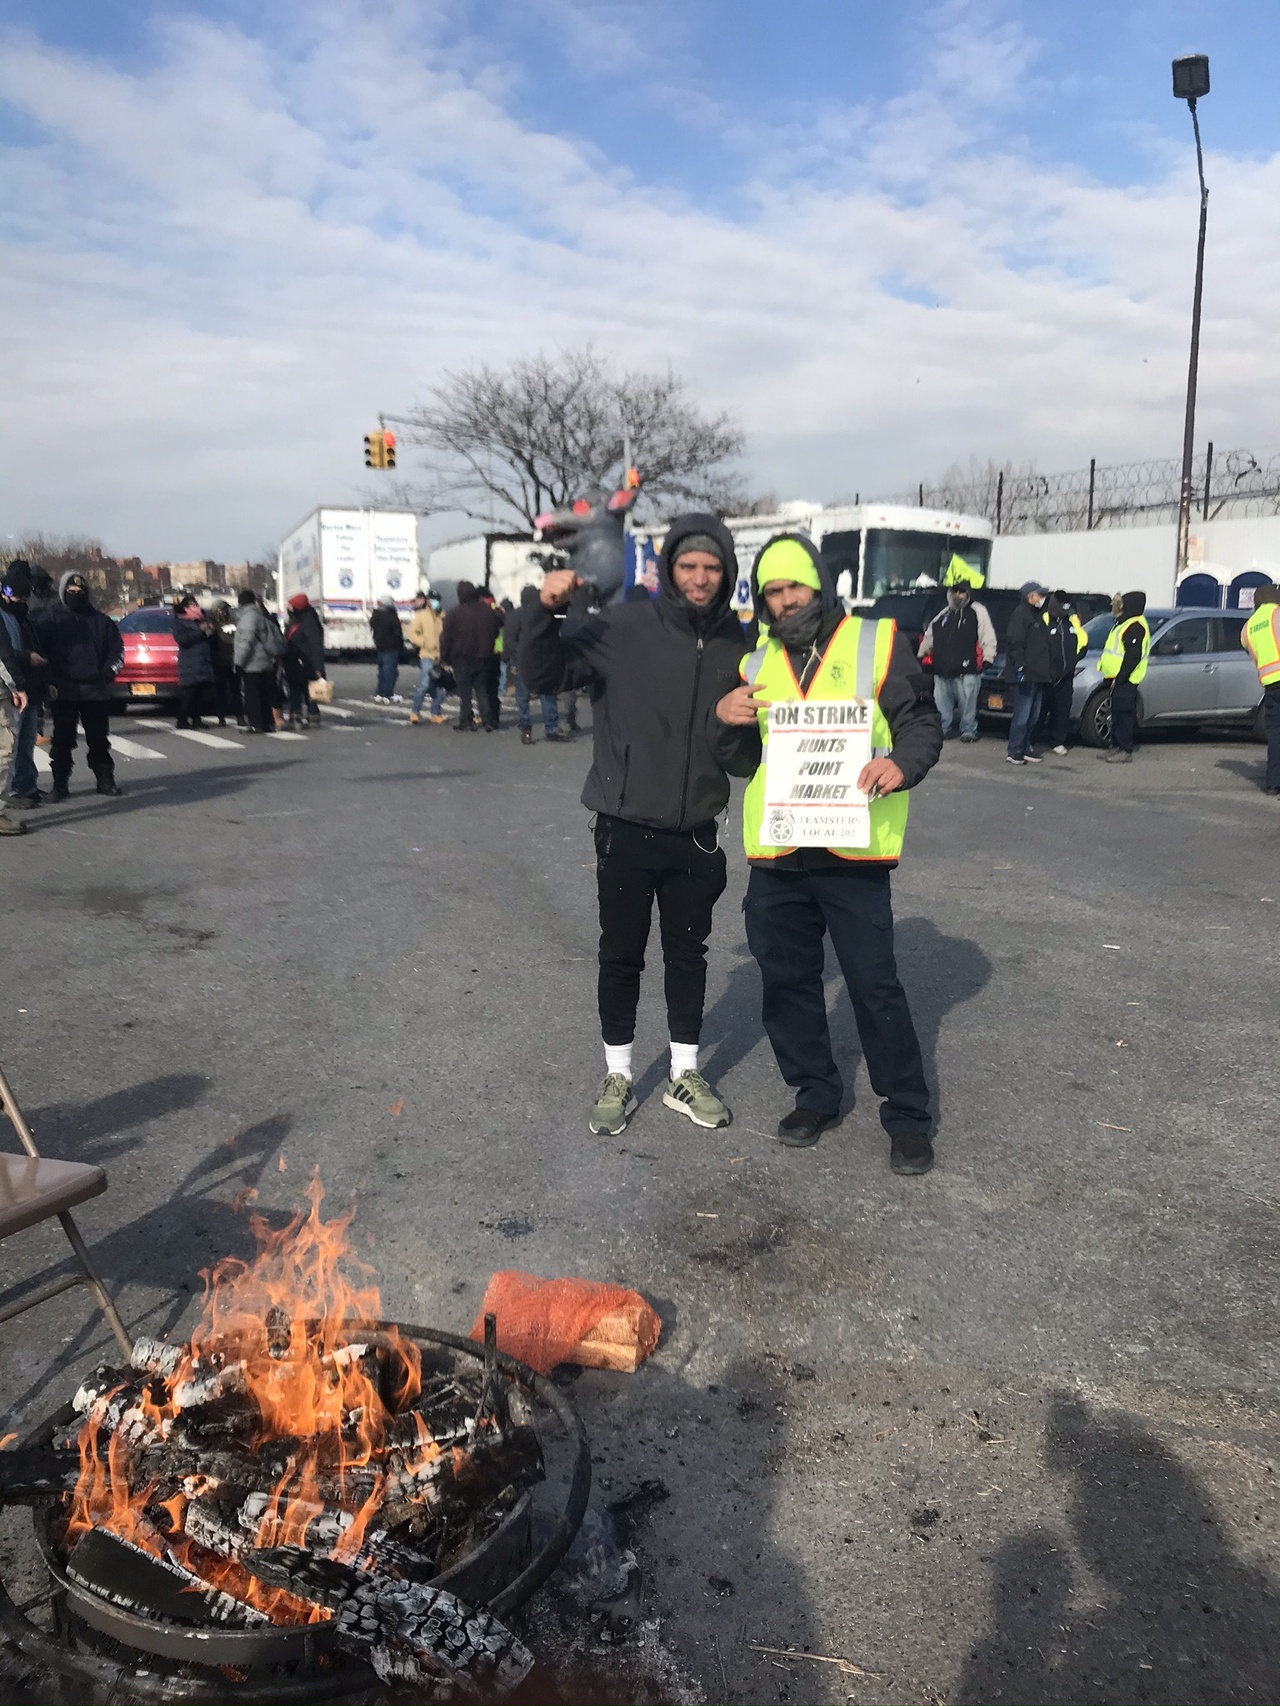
(75, 600)
(800, 628)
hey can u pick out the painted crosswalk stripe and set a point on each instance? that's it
(133, 748)
(42, 761)
(284, 734)
(204, 739)
(337, 711)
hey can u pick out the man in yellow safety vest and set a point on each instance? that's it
(833, 722)
(1124, 664)
(1260, 637)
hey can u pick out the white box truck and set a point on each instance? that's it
(504, 562)
(345, 560)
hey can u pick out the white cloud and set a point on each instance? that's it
(216, 271)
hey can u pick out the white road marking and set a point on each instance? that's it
(203, 739)
(284, 734)
(133, 748)
(336, 711)
(42, 761)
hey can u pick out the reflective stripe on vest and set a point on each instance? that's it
(1262, 637)
(853, 666)
(1109, 664)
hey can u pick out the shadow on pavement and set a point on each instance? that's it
(1156, 1605)
(1249, 772)
(91, 1132)
(164, 1248)
(184, 788)
(939, 972)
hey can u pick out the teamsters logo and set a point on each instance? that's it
(782, 826)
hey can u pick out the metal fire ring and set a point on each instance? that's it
(127, 1627)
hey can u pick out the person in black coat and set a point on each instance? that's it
(1029, 664)
(655, 672)
(388, 644)
(303, 658)
(85, 654)
(467, 640)
(195, 635)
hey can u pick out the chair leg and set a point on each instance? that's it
(100, 1291)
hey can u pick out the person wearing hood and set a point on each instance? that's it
(654, 672)
(194, 633)
(258, 645)
(1029, 666)
(303, 660)
(15, 592)
(1124, 664)
(467, 638)
(13, 700)
(85, 654)
(801, 889)
(960, 640)
(388, 644)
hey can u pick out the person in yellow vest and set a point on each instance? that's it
(1260, 637)
(846, 673)
(1124, 664)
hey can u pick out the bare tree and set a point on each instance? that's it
(512, 444)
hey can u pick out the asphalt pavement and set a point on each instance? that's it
(1005, 1432)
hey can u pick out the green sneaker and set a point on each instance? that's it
(692, 1096)
(614, 1106)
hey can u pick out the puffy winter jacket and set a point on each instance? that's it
(384, 625)
(84, 649)
(470, 630)
(423, 632)
(195, 652)
(654, 671)
(1028, 647)
(258, 641)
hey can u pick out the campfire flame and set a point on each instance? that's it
(283, 1332)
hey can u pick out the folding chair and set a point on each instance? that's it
(33, 1189)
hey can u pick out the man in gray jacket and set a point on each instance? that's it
(258, 645)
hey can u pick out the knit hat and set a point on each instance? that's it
(787, 560)
(1028, 587)
(299, 601)
(698, 542)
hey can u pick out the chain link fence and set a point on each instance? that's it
(1230, 483)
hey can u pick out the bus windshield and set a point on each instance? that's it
(899, 560)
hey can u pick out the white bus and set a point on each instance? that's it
(873, 549)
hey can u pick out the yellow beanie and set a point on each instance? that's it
(787, 560)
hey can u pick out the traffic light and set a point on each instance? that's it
(374, 450)
(388, 450)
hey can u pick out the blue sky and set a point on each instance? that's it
(888, 237)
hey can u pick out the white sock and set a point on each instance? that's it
(684, 1058)
(617, 1058)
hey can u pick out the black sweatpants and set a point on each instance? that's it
(1124, 715)
(94, 717)
(1055, 712)
(788, 915)
(191, 703)
(258, 686)
(635, 865)
(472, 676)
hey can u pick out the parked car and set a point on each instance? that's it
(1198, 674)
(150, 672)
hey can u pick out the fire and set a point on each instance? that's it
(279, 1336)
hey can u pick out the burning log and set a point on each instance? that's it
(125, 1574)
(154, 1356)
(408, 1632)
(30, 1476)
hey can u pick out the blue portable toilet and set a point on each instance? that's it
(1200, 590)
(1250, 578)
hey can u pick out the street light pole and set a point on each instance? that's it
(1190, 81)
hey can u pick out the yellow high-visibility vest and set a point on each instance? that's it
(1262, 638)
(1109, 664)
(1082, 639)
(854, 667)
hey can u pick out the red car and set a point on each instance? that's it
(150, 673)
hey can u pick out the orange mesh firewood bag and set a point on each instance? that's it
(544, 1322)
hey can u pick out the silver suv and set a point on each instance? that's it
(1198, 672)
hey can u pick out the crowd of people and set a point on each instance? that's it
(60, 656)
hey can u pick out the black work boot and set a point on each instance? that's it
(60, 790)
(108, 785)
(911, 1153)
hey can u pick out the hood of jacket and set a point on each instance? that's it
(467, 593)
(64, 581)
(1132, 604)
(827, 587)
(679, 529)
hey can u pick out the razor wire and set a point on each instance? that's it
(1224, 484)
